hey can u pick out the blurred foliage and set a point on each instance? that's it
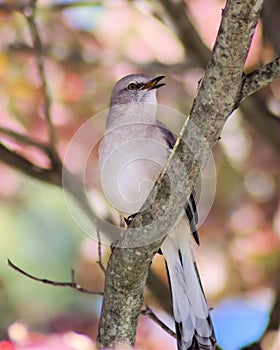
(87, 47)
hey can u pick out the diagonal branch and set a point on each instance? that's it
(53, 175)
(20, 163)
(24, 139)
(147, 311)
(193, 45)
(217, 97)
(177, 18)
(267, 125)
(261, 77)
(71, 284)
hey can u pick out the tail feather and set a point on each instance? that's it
(192, 319)
(186, 341)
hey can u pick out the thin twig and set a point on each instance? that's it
(149, 313)
(99, 261)
(71, 284)
(37, 43)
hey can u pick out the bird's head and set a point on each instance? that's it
(135, 88)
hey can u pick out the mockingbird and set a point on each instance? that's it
(132, 154)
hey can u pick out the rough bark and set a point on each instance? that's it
(218, 95)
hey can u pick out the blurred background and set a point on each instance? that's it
(87, 46)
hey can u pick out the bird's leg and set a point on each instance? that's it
(129, 219)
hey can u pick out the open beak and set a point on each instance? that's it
(153, 84)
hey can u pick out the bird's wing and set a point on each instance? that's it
(192, 319)
(190, 205)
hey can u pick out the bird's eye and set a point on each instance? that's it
(132, 86)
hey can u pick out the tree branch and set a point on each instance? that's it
(255, 111)
(149, 313)
(24, 139)
(71, 284)
(267, 125)
(217, 97)
(18, 162)
(99, 261)
(261, 77)
(177, 18)
(53, 175)
(30, 16)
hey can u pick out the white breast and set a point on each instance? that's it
(131, 159)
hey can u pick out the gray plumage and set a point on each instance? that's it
(132, 154)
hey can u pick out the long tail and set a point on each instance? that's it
(193, 322)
